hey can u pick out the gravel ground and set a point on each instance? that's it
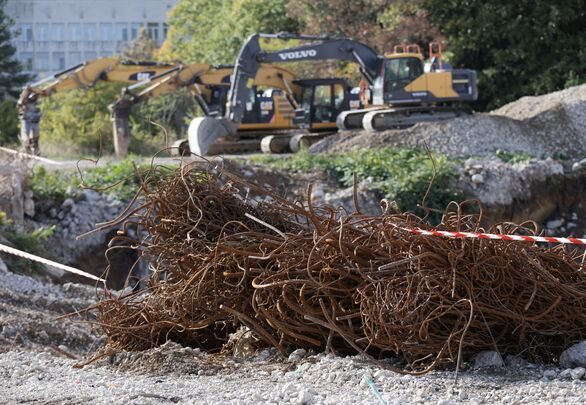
(542, 126)
(38, 353)
(171, 374)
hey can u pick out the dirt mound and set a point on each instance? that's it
(541, 126)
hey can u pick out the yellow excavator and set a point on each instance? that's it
(80, 76)
(268, 118)
(397, 90)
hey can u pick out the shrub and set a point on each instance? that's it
(402, 175)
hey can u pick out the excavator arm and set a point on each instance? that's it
(81, 76)
(322, 48)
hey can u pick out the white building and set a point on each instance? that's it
(51, 35)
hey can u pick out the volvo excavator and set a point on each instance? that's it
(270, 105)
(397, 92)
(83, 75)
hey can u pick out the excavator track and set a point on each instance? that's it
(352, 119)
(404, 117)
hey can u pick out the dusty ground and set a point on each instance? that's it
(36, 366)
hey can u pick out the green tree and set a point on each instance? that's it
(11, 79)
(77, 123)
(518, 47)
(11, 76)
(379, 23)
(8, 123)
(143, 48)
(212, 31)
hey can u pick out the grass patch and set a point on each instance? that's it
(402, 175)
(32, 243)
(512, 157)
(119, 178)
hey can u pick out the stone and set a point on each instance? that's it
(566, 373)
(91, 195)
(68, 204)
(305, 397)
(477, 179)
(3, 267)
(29, 204)
(576, 167)
(61, 215)
(575, 356)
(582, 162)
(297, 355)
(554, 224)
(488, 359)
(516, 361)
(53, 212)
(550, 374)
(577, 373)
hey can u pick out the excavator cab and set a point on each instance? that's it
(322, 100)
(401, 70)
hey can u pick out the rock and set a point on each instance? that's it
(91, 195)
(52, 213)
(477, 179)
(305, 397)
(297, 355)
(516, 361)
(550, 374)
(582, 162)
(577, 373)
(576, 167)
(566, 373)
(3, 267)
(575, 356)
(68, 204)
(554, 224)
(29, 203)
(61, 215)
(488, 359)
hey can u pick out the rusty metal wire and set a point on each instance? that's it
(300, 275)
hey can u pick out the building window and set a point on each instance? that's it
(106, 32)
(165, 30)
(122, 32)
(75, 58)
(90, 55)
(42, 61)
(58, 61)
(58, 32)
(74, 32)
(42, 32)
(153, 31)
(26, 32)
(135, 30)
(26, 59)
(89, 32)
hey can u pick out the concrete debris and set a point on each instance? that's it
(575, 356)
(525, 125)
(577, 373)
(297, 355)
(488, 359)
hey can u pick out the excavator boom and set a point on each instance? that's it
(79, 76)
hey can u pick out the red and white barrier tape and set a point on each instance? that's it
(24, 255)
(493, 236)
(29, 156)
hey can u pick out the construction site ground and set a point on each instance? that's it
(39, 351)
(36, 366)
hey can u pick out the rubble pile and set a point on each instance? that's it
(542, 126)
(313, 277)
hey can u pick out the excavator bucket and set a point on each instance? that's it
(204, 131)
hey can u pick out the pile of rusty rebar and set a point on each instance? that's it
(318, 277)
